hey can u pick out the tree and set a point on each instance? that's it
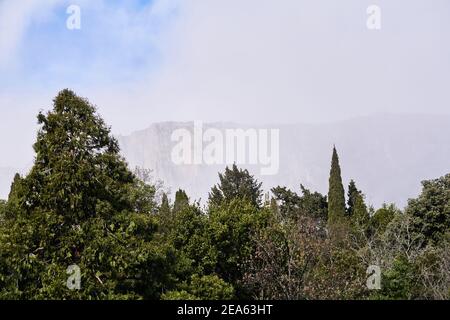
(434, 275)
(336, 194)
(352, 193)
(382, 218)
(181, 201)
(12, 204)
(431, 210)
(165, 205)
(142, 195)
(190, 236)
(289, 202)
(166, 217)
(360, 215)
(296, 260)
(292, 206)
(209, 287)
(283, 261)
(314, 204)
(231, 226)
(2, 211)
(80, 205)
(236, 183)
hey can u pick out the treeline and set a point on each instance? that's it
(81, 205)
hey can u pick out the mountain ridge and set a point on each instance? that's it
(387, 154)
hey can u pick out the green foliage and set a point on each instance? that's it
(2, 209)
(165, 215)
(191, 238)
(352, 193)
(292, 206)
(289, 202)
(231, 227)
(165, 205)
(181, 201)
(400, 282)
(80, 204)
(336, 194)
(431, 210)
(359, 215)
(382, 218)
(236, 183)
(178, 295)
(209, 287)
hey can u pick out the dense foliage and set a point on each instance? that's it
(81, 207)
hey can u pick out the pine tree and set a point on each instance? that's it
(336, 193)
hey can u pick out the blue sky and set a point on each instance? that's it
(250, 61)
(116, 43)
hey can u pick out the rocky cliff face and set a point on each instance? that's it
(387, 155)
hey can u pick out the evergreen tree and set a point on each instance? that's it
(356, 208)
(352, 193)
(289, 202)
(190, 236)
(181, 201)
(165, 216)
(360, 215)
(314, 204)
(231, 226)
(164, 208)
(77, 206)
(2, 210)
(431, 210)
(336, 194)
(236, 183)
(13, 197)
(292, 206)
(382, 217)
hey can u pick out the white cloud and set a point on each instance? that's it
(247, 61)
(294, 61)
(15, 17)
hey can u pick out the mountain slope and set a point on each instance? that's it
(387, 155)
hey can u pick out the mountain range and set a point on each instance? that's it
(387, 155)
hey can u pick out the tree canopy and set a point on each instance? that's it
(81, 225)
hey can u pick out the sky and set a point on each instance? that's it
(251, 61)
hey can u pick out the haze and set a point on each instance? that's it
(252, 61)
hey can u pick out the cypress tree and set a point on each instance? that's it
(336, 193)
(165, 205)
(181, 201)
(165, 215)
(360, 215)
(352, 194)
